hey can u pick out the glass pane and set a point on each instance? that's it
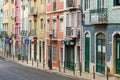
(99, 58)
(54, 53)
(103, 58)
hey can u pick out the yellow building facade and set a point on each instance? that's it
(8, 17)
(37, 29)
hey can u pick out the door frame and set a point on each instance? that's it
(105, 34)
(89, 52)
(113, 67)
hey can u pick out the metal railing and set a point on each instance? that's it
(71, 3)
(99, 15)
(68, 31)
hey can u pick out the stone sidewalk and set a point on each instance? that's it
(60, 71)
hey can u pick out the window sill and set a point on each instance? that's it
(116, 7)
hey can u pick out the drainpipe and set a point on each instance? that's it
(81, 33)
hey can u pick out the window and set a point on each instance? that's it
(67, 20)
(100, 3)
(73, 19)
(61, 24)
(54, 24)
(41, 1)
(48, 52)
(48, 24)
(54, 28)
(41, 23)
(54, 53)
(61, 56)
(116, 2)
(48, 1)
(54, 5)
(78, 18)
(87, 4)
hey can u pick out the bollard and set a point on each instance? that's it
(59, 66)
(73, 68)
(93, 72)
(10, 56)
(32, 61)
(43, 63)
(37, 63)
(107, 74)
(27, 60)
(22, 60)
(80, 68)
(7, 55)
(64, 66)
(13, 57)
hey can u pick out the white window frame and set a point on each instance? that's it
(61, 24)
(48, 25)
(54, 57)
(87, 4)
(48, 2)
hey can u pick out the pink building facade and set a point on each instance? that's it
(17, 18)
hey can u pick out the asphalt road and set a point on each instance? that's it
(12, 71)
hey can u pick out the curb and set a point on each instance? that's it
(49, 71)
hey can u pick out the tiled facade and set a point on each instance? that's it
(110, 28)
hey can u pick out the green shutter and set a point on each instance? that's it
(85, 4)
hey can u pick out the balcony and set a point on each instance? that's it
(33, 11)
(17, 20)
(99, 16)
(54, 34)
(31, 33)
(72, 32)
(72, 4)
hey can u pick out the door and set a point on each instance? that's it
(30, 51)
(87, 52)
(118, 56)
(69, 57)
(35, 52)
(100, 53)
(39, 51)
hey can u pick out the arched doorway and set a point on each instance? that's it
(87, 51)
(117, 51)
(100, 53)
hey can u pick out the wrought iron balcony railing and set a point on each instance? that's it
(33, 11)
(71, 3)
(99, 16)
(68, 31)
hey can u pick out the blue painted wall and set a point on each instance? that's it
(109, 30)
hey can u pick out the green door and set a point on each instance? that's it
(39, 51)
(35, 52)
(100, 53)
(118, 56)
(87, 52)
(69, 57)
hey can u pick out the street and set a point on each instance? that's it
(13, 71)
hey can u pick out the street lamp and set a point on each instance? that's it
(50, 57)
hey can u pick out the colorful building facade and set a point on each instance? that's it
(101, 36)
(8, 24)
(72, 26)
(54, 20)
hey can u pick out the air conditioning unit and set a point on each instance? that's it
(73, 32)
